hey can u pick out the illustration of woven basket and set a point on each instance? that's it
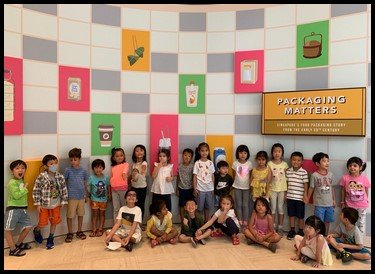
(312, 48)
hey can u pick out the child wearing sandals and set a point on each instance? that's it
(313, 245)
(160, 227)
(192, 220)
(260, 228)
(347, 239)
(225, 219)
(99, 194)
(16, 210)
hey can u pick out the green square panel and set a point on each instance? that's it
(192, 93)
(105, 133)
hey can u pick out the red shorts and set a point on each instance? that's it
(53, 215)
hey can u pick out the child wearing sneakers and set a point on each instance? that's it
(16, 210)
(192, 220)
(160, 227)
(298, 180)
(50, 194)
(347, 239)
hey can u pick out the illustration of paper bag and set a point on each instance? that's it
(164, 142)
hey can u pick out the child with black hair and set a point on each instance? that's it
(223, 180)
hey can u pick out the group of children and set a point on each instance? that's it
(200, 190)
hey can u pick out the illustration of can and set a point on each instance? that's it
(74, 89)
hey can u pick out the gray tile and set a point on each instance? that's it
(342, 9)
(315, 78)
(189, 141)
(39, 122)
(106, 80)
(46, 8)
(190, 21)
(65, 162)
(220, 62)
(106, 14)
(369, 75)
(164, 62)
(369, 149)
(247, 124)
(138, 103)
(368, 224)
(250, 19)
(39, 49)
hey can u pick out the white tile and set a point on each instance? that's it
(192, 63)
(280, 80)
(282, 15)
(192, 42)
(348, 76)
(104, 58)
(164, 83)
(38, 145)
(368, 125)
(220, 104)
(219, 83)
(283, 37)
(79, 12)
(67, 142)
(12, 44)
(164, 103)
(74, 55)
(164, 20)
(128, 142)
(353, 146)
(135, 123)
(12, 18)
(369, 50)
(106, 101)
(309, 145)
(348, 27)
(75, 32)
(191, 124)
(32, 101)
(105, 36)
(307, 13)
(247, 103)
(72, 122)
(39, 25)
(12, 147)
(369, 24)
(219, 124)
(133, 81)
(253, 141)
(164, 41)
(220, 42)
(249, 40)
(135, 18)
(348, 51)
(221, 21)
(280, 59)
(40, 74)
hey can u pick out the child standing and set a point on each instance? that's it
(162, 186)
(313, 245)
(278, 185)
(224, 219)
(260, 177)
(16, 210)
(347, 239)
(298, 180)
(242, 169)
(159, 226)
(76, 178)
(50, 193)
(260, 228)
(223, 181)
(138, 180)
(99, 194)
(185, 189)
(203, 180)
(118, 179)
(354, 189)
(126, 229)
(321, 183)
(192, 220)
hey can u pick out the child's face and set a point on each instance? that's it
(225, 204)
(203, 152)
(119, 157)
(242, 155)
(18, 171)
(260, 207)
(277, 153)
(74, 161)
(223, 170)
(163, 158)
(354, 168)
(296, 162)
(323, 164)
(190, 206)
(309, 231)
(164, 211)
(139, 153)
(186, 158)
(131, 198)
(261, 162)
(98, 170)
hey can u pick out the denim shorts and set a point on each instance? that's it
(16, 216)
(325, 213)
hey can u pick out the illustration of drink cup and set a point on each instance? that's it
(191, 94)
(105, 135)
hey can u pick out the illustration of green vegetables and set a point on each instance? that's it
(138, 52)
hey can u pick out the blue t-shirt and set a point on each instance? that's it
(75, 180)
(98, 188)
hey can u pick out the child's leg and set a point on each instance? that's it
(172, 234)
(245, 203)
(308, 252)
(9, 238)
(80, 221)
(101, 219)
(238, 203)
(181, 211)
(70, 213)
(23, 234)
(116, 202)
(94, 218)
(80, 213)
(273, 203)
(206, 234)
(274, 238)
(156, 232)
(361, 223)
(184, 238)
(280, 208)
(361, 256)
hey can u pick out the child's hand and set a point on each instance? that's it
(315, 264)
(198, 233)
(185, 221)
(195, 192)
(295, 258)
(107, 239)
(168, 179)
(39, 208)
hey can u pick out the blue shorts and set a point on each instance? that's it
(205, 199)
(363, 250)
(325, 213)
(185, 194)
(295, 208)
(16, 216)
